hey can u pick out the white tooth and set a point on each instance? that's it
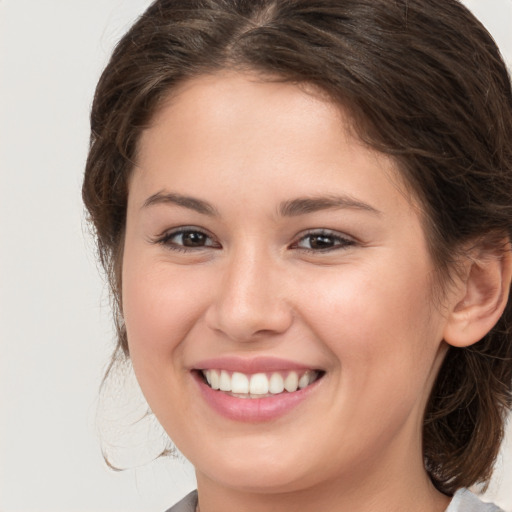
(224, 381)
(304, 380)
(239, 383)
(291, 382)
(208, 376)
(214, 378)
(276, 384)
(258, 384)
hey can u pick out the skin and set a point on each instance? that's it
(362, 311)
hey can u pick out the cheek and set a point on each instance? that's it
(379, 324)
(385, 347)
(160, 307)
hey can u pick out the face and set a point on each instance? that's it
(270, 253)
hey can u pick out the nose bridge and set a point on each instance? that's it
(249, 302)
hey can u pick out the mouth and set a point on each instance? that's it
(259, 385)
(258, 389)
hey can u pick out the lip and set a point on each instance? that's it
(251, 410)
(249, 366)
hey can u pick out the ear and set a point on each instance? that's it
(481, 295)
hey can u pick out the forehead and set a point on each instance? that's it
(248, 101)
(262, 129)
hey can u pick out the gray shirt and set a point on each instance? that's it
(465, 501)
(462, 501)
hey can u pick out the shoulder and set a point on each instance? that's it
(466, 501)
(187, 504)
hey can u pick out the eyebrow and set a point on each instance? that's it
(291, 208)
(191, 203)
(305, 205)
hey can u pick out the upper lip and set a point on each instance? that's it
(258, 364)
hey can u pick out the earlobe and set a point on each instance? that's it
(482, 297)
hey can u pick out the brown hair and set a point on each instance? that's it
(423, 81)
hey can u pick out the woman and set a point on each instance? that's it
(304, 209)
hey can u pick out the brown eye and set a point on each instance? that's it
(187, 239)
(323, 241)
(192, 239)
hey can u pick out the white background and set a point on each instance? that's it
(55, 332)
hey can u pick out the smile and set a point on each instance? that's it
(255, 390)
(259, 385)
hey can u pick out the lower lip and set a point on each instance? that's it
(252, 410)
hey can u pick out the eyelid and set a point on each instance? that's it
(340, 239)
(165, 237)
(346, 240)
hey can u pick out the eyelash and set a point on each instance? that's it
(338, 241)
(166, 238)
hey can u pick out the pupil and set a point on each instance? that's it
(193, 239)
(320, 242)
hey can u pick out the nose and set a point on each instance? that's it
(249, 302)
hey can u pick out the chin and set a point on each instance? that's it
(259, 480)
(255, 472)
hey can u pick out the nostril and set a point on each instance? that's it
(247, 302)
(244, 323)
